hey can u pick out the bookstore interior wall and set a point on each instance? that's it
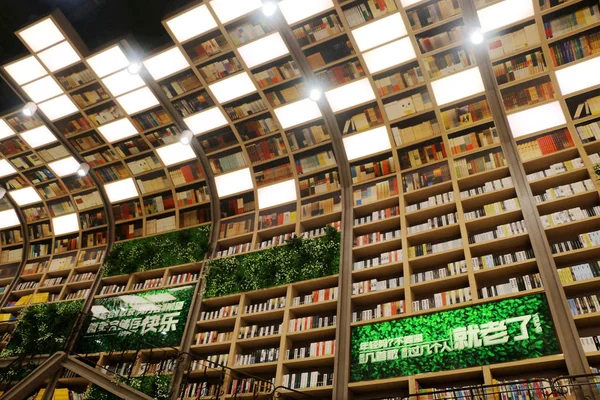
(222, 164)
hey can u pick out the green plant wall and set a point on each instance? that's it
(43, 329)
(161, 251)
(299, 260)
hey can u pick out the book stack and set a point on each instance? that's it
(277, 74)
(376, 237)
(367, 119)
(378, 215)
(514, 285)
(301, 380)
(180, 84)
(246, 109)
(318, 29)
(152, 184)
(208, 48)
(312, 322)
(479, 163)
(574, 49)
(567, 190)
(368, 10)
(223, 312)
(268, 305)
(557, 169)
(257, 356)
(370, 170)
(448, 63)
(154, 226)
(426, 249)
(231, 229)
(399, 81)
(340, 73)
(378, 191)
(266, 149)
(430, 14)
(431, 201)
(316, 296)
(220, 69)
(424, 154)
(501, 231)
(76, 79)
(434, 222)
(520, 67)
(165, 135)
(453, 268)
(248, 332)
(442, 39)
(315, 349)
(89, 97)
(473, 140)
(545, 144)
(579, 272)
(256, 128)
(527, 96)
(212, 337)
(576, 19)
(227, 163)
(493, 209)
(584, 305)
(570, 215)
(424, 177)
(381, 310)
(374, 285)
(321, 207)
(416, 103)
(393, 256)
(466, 115)
(247, 31)
(491, 261)
(456, 296)
(513, 41)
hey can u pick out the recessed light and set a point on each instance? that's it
(42, 89)
(58, 107)
(294, 10)
(25, 70)
(367, 143)
(297, 113)
(118, 130)
(233, 87)
(166, 63)
(9, 218)
(579, 76)
(39, 136)
(64, 167)
(379, 32)
(59, 56)
(206, 121)
(6, 169)
(234, 182)
(175, 153)
(390, 54)
(108, 61)
(349, 95)
(263, 50)
(279, 193)
(536, 119)
(504, 13)
(138, 100)
(122, 82)
(121, 190)
(41, 35)
(65, 224)
(228, 10)
(457, 86)
(192, 23)
(25, 196)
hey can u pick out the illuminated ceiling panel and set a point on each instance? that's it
(192, 23)
(41, 35)
(25, 70)
(108, 61)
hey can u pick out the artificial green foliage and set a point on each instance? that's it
(98, 340)
(597, 170)
(155, 386)
(300, 259)
(438, 327)
(161, 251)
(43, 329)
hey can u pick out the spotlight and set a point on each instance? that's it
(134, 67)
(269, 8)
(2, 192)
(315, 94)
(29, 109)
(477, 37)
(186, 137)
(83, 169)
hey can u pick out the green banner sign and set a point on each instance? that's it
(155, 318)
(507, 330)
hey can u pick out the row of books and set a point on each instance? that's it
(513, 41)
(445, 38)
(106, 115)
(13, 236)
(399, 81)
(192, 196)
(315, 162)
(491, 260)
(210, 361)
(425, 177)
(74, 126)
(501, 231)
(415, 133)
(340, 73)
(432, 201)
(180, 84)
(277, 73)
(157, 367)
(33, 268)
(520, 67)
(196, 390)
(256, 128)
(246, 109)
(466, 115)
(310, 322)
(147, 163)
(589, 107)
(430, 14)
(87, 276)
(250, 385)
(453, 268)
(449, 62)
(25, 285)
(565, 191)
(79, 294)
(148, 284)
(154, 226)
(235, 249)
(590, 343)
(192, 104)
(182, 278)
(416, 103)
(526, 96)
(514, 285)
(378, 191)
(315, 349)
(151, 119)
(556, 169)
(163, 136)
(378, 215)
(287, 94)
(111, 289)
(76, 79)
(388, 257)
(249, 332)
(434, 222)
(570, 215)
(584, 45)
(376, 237)
(112, 173)
(571, 21)
(90, 97)
(473, 165)
(257, 356)
(227, 163)
(579, 272)
(301, 380)
(186, 173)
(49, 282)
(321, 207)
(381, 310)
(53, 153)
(39, 231)
(590, 132)
(87, 142)
(474, 140)
(375, 285)
(247, 31)
(320, 184)
(493, 209)
(368, 10)
(268, 305)
(194, 217)
(422, 155)
(316, 296)
(208, 48)
(584, 305)
(366, 119)
(456, 296)
(431, 248)
(127, 210)
(337, 225)
(220, 69)
(10, 255)
(152, 184)
(266, 149)
(334, 50)
(223, 312)
(236, 228)
(309, 136)
(318, 29)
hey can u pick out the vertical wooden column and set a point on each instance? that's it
(565, 327)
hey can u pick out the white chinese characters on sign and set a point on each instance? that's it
(461, 338)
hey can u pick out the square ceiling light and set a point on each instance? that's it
(233, 87)
(41, 35)
(59, 56)
(389, 55)
(192, 23)
(108, 61)
(64, 167)
(6, 169)
(118, 130)
(297, 113)
(579, 76)
(9, 218)
(234, 182)
(263, 50)
(121, 190)
(5, 129)
(228, 10)
(367, 143)
(39, 136)
(294, 10)
(504, 13)
(42, 89)
(349, 95)
(123, 82)
(25, 70)
(379, 32)
(279, 193)
(166, 63)
(58, 107)
(175, 153)
(206, 121)
(457, 86)
(536, 119)
(137, 101)
(25, 196)
(406, 3)
(65, 224)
